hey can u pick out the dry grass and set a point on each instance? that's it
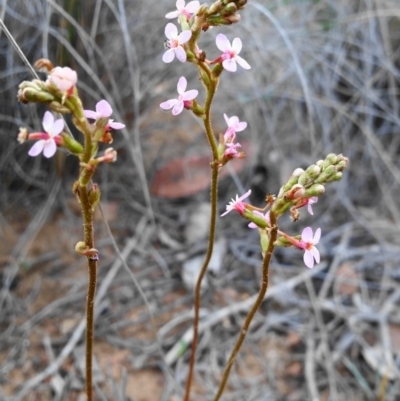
(324, 78)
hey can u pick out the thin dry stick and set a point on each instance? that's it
(253, 310)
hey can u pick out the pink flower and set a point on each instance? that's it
(310, 201)
(63, 78)
(175, 42)
(237, 204)
(181, 9)
(184, 98)
(231, 151)
(230, 53)
(265, 216)
(308, 243)
(234, 125)
(103, 110)
(48, 139)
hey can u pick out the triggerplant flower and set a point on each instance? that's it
(231, 151)
(188, 10)
(174, 43)
(237, 204)
(63, 78)
(184, 98)
(103, 110)
(234, 125)
(48, 139)
(308, 243)
(230, 55)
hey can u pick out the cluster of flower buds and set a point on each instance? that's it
(302, 189)
(223, 12)
(59, 92)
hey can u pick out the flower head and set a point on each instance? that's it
(308, 242)
(63, 78)
(184, 98)
(48, 142)
(264, 216)
(237, 204)
(174, 43)
(234, 125)
(188, 10)
(103, 110)
(230, 53)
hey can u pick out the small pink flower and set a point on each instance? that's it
(231, 151)
(63, 78)
(237, 204)
(103, 110)
(181, 9)
(265, 216)
(230, 53)
(175, 42)
(48, 142)
(310, 201)
(184, 98)
(308, 243)
(234, 125)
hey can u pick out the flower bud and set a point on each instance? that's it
(43, 64)
(214, 8)
(341, 165)
(202, 10)
(22, 135)
(94, 196)
(71, 144)
(59, 108)
(233, 18)
(229, 9)
(32, 95)
(304, 179)
(336, 177)
(296, 192)
(313, 171)
(314, 190)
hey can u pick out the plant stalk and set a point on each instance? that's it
(253, 310)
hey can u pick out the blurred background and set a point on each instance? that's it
(324, 78)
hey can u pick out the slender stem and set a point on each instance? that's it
(214, 198)
(92, 266)
(253, 310)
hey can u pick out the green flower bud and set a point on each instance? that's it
(341, 165)
(336, 177)
(304, 179)
(315, 190)
(59, 108)
(94, 196)
(313, 171)
(264, 241)
(71, 144)
(217, 70)
(229, 9)
(30, 94)
(214, 8)
(294, 178)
